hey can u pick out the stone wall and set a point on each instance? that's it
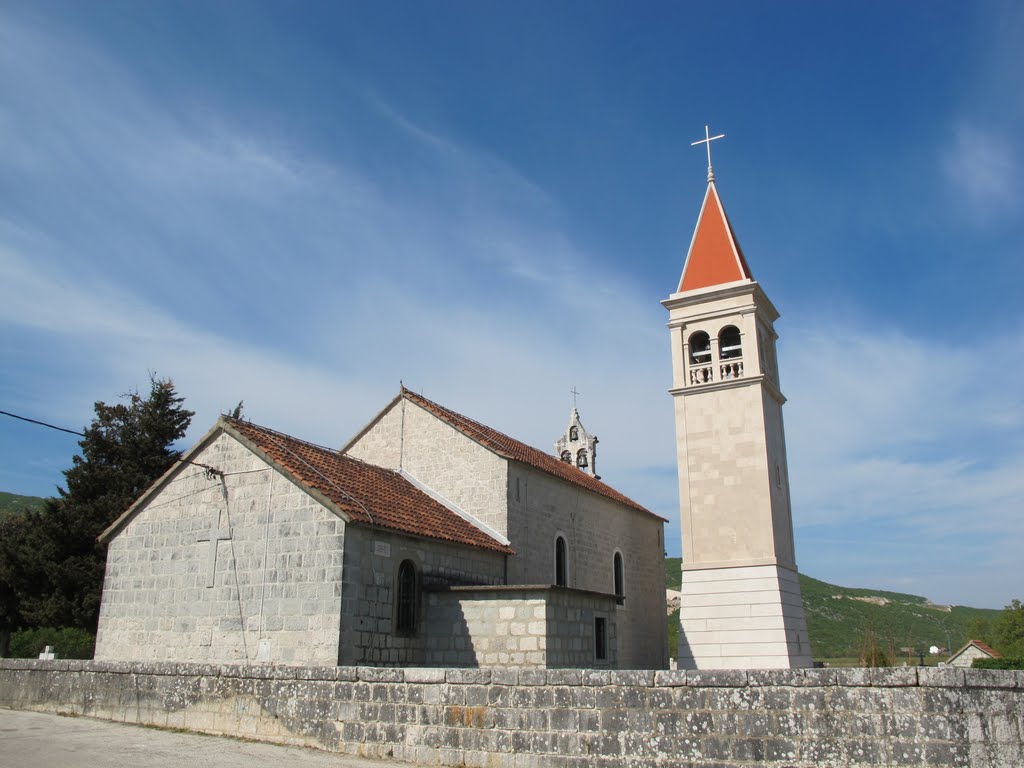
(459, 470)
(518, 718)
(372, 558)
(271, 591)
(542, 507)
(520, 627)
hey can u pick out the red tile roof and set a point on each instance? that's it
(980, 646)
(715, 257)
(510, 448)
(366, 493)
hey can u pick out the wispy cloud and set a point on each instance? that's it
(985, 168)
(905, 447)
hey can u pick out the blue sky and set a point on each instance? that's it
(300, 205)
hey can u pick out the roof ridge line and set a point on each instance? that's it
(279, 433)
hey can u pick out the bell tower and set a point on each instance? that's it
(741, 605)
(577, 446)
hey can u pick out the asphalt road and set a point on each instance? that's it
(36, 740)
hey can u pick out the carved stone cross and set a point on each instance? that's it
(214, 535)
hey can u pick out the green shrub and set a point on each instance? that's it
(67, 643)
(1011, 663)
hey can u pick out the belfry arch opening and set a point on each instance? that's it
(730, 344)
(700, 348)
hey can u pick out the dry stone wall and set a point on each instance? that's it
(518, 718)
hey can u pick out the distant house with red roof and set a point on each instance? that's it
(975, 649)
(429, 539)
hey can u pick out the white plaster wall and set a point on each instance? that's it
(541, 507)
(278, 579)
(442, 458)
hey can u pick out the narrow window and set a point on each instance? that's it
(729, 346)
(405, 620)
(567, 457)
(574, 434)
(581, 458)
(620, 590)
(700, 348)
(600, 639)
(561, 564)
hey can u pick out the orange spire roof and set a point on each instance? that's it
(715, 256)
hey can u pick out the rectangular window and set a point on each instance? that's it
(600, 639)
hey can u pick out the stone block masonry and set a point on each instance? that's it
(514, 718)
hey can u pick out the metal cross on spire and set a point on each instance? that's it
(708, 138)
(574, 393)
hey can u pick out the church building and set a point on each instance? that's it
(741, 605)
(429, 539)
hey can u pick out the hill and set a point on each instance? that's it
(11, 503)
(839, 617)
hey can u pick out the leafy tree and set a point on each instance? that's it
(1008, 630)
(53, 563)
(979, 628)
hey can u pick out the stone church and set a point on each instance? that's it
(428, 539)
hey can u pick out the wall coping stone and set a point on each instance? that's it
(424, 675)
(892, 677)
(563, 676)
(381, 674)
(596, 677)
(670, 678)
(717, 678)
(533, 677)
(853, 676)
(643, 678)
(941, 677)
(505, 676)
(471, 676)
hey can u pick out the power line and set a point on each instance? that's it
(211, 472)
(42, 423)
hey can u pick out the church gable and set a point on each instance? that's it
(242, 565)
(433, 454)
(515, 450)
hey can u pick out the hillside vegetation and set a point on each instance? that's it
(11, 503)
(839, 617)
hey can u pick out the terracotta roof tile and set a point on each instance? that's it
(513, 449)
(368, 494)
(715, 256)
(981, 646)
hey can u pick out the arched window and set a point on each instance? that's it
(567, 457)
(729, 345)
(700, 348)
(561, 563)
(405, 616)
(620, 586)
(581, 458)
(574, 434)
